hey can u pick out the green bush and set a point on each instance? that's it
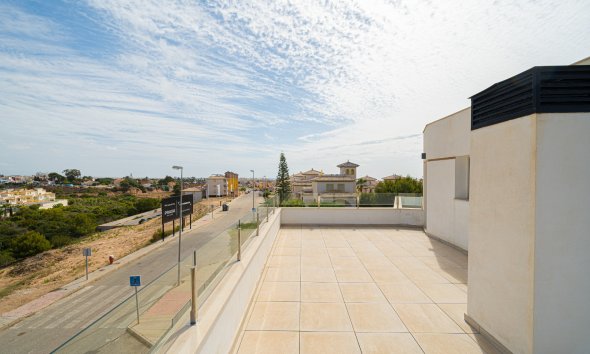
(61, 240)
(293, 203)
(29, 244)
(158, 235)
(6, 257)
(146, 204)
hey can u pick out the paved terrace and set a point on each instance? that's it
(357, 289)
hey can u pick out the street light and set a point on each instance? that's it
(253, 189)
(180, 234)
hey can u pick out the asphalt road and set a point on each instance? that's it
(52, 326)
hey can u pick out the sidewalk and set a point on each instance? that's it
(12, 317)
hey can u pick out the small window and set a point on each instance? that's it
(340, 187)
(330, 187)
(462, 177)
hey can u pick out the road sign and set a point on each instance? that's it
(135, 280)
(253, 210)
(87, 252)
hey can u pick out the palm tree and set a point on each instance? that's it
(360, 183)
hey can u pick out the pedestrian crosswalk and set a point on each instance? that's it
(79, 310)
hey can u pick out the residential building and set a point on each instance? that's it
(232, 183)
(301, 187)
(25, 196)
(392, 178)
(507, 181)
(367, 184)
(217, 186)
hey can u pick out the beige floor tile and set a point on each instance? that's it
(374, 317)
(287, 251)
(403, 293)
(483, 343)
(279, 291)
(318, 261)
(361, 292)
(320, 292)
(324, 317)
(387, 275)
(438, 262)
(457, 313)
(329, 342)
(341, 252)
(408, 263)
(313, 252)
(435, 343)
(318, 274)
(289, 242)
(463, 287)
(283, 274)
(351, 275)
(444, 293)
(312, 243)
(274, 316)
(426, 318)
(424, 276)
(375, 262)
(269, 342)
(335, 242)
(454, 275)
(386, 343)
(280, 261)
(346, 262)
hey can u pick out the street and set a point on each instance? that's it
(50, 327)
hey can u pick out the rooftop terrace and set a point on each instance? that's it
(358, 289)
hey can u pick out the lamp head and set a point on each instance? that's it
(177, 167)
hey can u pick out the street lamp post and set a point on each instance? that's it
(180, 234)
(253, 189)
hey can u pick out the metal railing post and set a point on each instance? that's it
(239, 243)
(193, 295)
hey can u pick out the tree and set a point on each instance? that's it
(402, 185)
(360, 183)
(72, 174)
(176, 189)
(283, 185)
(29, 244)
(56, 177)
(165, 181)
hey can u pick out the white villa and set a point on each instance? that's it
(314, 186)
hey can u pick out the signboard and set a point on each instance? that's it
(135, 280)
(171, 207)
(87, 252)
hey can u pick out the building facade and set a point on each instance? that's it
(507, 180)
(232, 183)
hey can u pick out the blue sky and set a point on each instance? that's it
(118, 87)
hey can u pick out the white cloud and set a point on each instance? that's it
(216, 82)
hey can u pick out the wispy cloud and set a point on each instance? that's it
(110, 86)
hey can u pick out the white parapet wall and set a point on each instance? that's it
(352, 216)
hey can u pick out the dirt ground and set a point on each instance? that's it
(36, 276)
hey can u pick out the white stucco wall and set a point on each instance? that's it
(449, 136)
(501, 231)
(444, 140)
(352, 216)
(562, 243)
(440, 193)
